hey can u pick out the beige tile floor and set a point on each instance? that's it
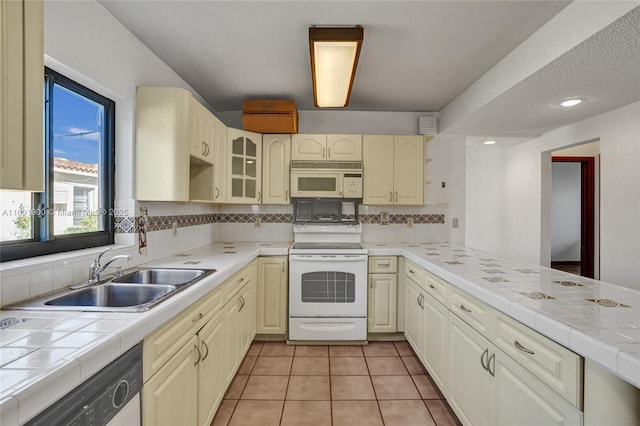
(377, 384)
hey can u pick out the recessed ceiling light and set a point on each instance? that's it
(570, 102)
(489, 142)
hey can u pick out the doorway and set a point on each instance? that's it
(573, 212)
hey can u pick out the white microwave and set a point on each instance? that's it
(326, 179)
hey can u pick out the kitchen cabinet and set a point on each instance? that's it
(220, 177)
(435, 352)
(202, 128)
(393, 170)
(21, 95)
(326, 147)
(414, 316)
(189, 362)
(486, 386)
(276, 156)
(383, 289)
(244, 167)
(170, 397)
(272, 295)
(173, 153)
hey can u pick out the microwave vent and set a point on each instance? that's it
(326, 165)
(428, 125)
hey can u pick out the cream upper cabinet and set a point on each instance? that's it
(276, 155)
(21, 95)
(378, 170)
(162, 151)
(220, 161)
(393, 170)
(272, 295)
(202, 128)
(308, 147)
(408, 170)
(326, 147)
(244, 167)
(176, 147)
(344, 147)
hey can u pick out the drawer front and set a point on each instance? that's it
(165, 342)
(414, 272)
(472, 311)
(436, 287)
(238, 280)
(552, 363)
(383, 264)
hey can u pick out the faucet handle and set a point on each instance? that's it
(99, 257)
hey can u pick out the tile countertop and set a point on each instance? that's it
(46, 354)
(607, 335)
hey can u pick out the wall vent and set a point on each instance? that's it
(428, 125)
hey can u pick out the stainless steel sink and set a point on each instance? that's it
(162, 276)
(136, 291)
(113, 296)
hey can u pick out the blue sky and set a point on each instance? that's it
(76, 129)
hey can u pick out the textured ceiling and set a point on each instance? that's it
(416, 56)
(604, 70)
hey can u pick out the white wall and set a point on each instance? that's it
(86, 43)
(525, 196)
(566, 198)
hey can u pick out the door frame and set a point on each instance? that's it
(587, 210)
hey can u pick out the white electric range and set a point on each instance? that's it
(327, 283)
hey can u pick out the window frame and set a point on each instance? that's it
(44, 241)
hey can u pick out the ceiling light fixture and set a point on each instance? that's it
(334, 58)
(489, 142)
(570, 102)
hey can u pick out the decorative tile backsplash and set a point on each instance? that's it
(128, 225)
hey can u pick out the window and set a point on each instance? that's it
(74, 211)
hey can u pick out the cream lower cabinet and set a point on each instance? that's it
(435, 352)
(189, 362)
(382, 294)
(414, 316)
(272, 295)
(170, 397)
(487, 387)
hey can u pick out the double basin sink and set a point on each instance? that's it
(133, 292)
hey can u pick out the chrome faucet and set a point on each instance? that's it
(96, 268)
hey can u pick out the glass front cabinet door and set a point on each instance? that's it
(245, 156)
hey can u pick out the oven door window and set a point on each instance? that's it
(328, 287)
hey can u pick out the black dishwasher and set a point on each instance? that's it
(100, 398)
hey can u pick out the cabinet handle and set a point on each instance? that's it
(283, 267)
(323, 152)
(199, 355)
(492, 371)
(432, 286)
(522, 348)
(486, 352)
(286, 194)
(411, 271)
(206, 353)
(259, 196)
(465, 309)
(198, 318)
(390, 196)
(217, 192)
(418, 299)
(384, 264)
(370, 282)
(396, 196)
